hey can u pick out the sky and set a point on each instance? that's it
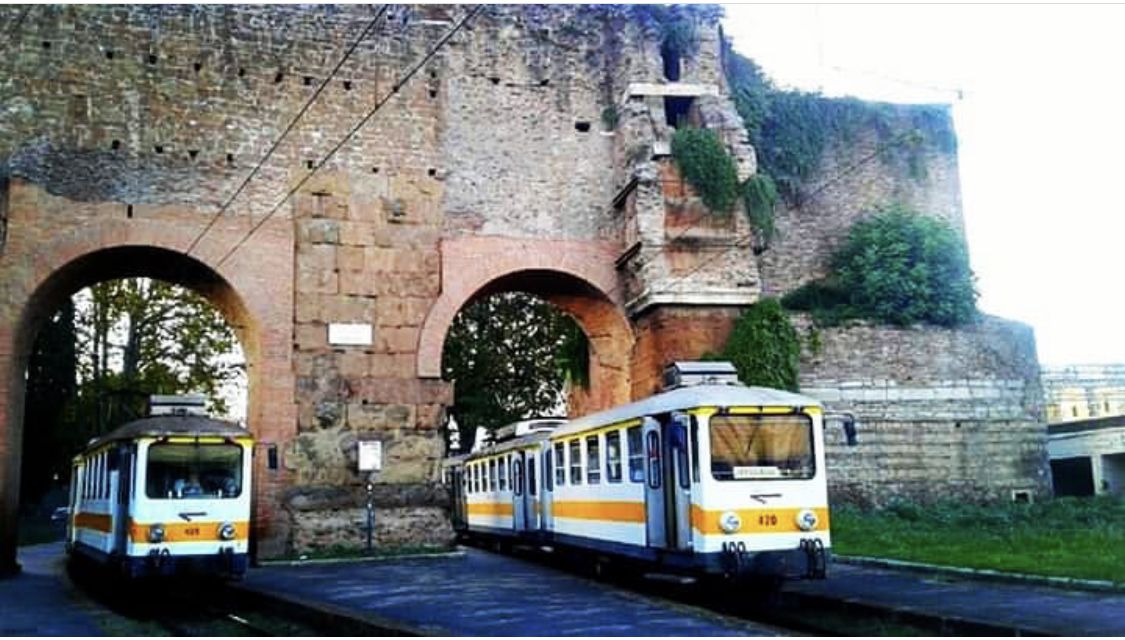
(1038, 106)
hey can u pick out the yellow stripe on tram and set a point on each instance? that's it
(189, 531)
(490, 508)
(96, 521)
(781, 520)
(610, 511)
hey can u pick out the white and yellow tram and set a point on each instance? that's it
(718, 479)
(164, 495)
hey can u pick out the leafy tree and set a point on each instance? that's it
(140, 337)
(510, 357)
(764, 347)
(96, 361)
(51, 432)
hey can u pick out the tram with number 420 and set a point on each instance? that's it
(707, 478)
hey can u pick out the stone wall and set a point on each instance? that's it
(941, 413)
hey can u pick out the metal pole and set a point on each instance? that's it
(370, 514)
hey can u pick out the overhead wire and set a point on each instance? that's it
(289, 128)
(378, 106)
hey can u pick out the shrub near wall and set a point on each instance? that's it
(764, 347)
(896, 267)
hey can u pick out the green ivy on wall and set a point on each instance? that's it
(705, 164)
(792, 130)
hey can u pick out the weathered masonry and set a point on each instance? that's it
(528, 151)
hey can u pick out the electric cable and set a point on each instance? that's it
(292, 123)
(378, 105)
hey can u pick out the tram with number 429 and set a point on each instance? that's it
(164, 495)
(709, 477)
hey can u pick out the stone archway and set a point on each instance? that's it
(44, 262)
(577, 276)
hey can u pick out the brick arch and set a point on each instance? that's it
(578, 276)
(44, 262)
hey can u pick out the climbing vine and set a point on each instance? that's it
(792, 130)
(759, 197)
(704, 162)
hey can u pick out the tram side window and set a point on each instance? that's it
(503, 474)
(575, 461)
(636, 455)
(491, 486)
(694, 449)
(613, 456)
(593, 460)
(548, 474)
(560, 464)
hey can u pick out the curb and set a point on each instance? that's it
(990, 575)
(361, 559)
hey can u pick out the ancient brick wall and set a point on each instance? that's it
(941, 413)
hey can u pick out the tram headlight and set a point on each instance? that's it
(156, 533)
(729, 522)
(226, 531)
(807, 520)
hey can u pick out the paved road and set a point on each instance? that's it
(1034, 609)
(40, 602)
(484, 594)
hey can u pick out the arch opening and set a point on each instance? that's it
(530, 343)
(96, 280)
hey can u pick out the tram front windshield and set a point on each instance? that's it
(178, 471)
(762, 447)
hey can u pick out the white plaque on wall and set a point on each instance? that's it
(370, 455)
(345, 334)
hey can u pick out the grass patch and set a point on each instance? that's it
(1063, 537)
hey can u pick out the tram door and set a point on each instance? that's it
(677, 484)
(122, 458)
(547, 489)
(656, 523)
(457, 487)
(519, 493)
(531, 492)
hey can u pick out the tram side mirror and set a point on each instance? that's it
(847, 422)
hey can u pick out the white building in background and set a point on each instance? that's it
(1083, 391)
(1088, 456)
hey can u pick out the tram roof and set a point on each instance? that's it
(684, 398)
(171, 425)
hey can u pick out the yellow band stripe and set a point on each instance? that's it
(96, 521)
(611, 511)
(189, 531)
(490, 508)
(781, 520)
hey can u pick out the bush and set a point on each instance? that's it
(704, 162)
(900, 267)
(764, 347)
(896, 267)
